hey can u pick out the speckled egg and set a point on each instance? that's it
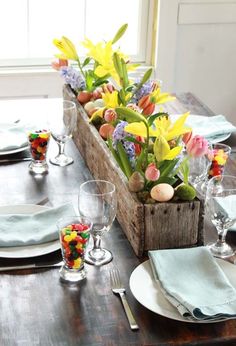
(99, 103)
(162, 192)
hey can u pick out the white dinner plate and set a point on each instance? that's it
(30, 250)
(148, 292)
(14, 151)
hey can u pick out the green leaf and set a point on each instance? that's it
(117, 64)
(167, 168)
(120, 33)
(167, 180)
(184, 170)
(114, 153)
(154, 116)
(146, 76)
(130, 115)
(125, 80)
(140, 160)
(86, 61)
(124, 160)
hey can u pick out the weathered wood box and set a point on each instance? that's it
(158, 226)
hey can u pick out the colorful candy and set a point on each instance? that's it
(219, 158)
(38, 144)
(74, 239)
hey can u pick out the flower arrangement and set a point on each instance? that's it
(127, 113)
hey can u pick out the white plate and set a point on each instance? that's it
(13, 151)
(30, 250)
(147, 291)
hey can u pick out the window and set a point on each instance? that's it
(27, 27)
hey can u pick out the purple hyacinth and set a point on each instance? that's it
(145, 89)
(118, 136)
(72, 77)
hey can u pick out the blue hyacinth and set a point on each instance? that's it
(72, 77)
(119, 135)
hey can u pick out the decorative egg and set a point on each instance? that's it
(89, 106)
(136, 182)
(106, 130)
(162, 192)
(91, 111)
(84, 96)
(99, 103)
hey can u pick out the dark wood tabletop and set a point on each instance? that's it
(38, 309)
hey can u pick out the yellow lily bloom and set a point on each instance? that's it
(162, 150)
(110, 99)
(97, 113)
(162, 127)
(67, 48)
(158, 97)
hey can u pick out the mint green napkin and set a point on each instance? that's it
(12, 137)
(30, 229)
(210, 127)
(194, 283)
(214, 128)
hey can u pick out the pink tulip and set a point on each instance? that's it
(110, 115)
(197, 146)
(152, 173)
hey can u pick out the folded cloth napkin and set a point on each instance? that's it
(227, 205)
(29, 229)
(194, 283)
(12, 137)
(211, 128)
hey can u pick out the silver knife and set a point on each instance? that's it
(15, 160)
(32, 266)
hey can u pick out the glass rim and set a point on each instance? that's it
(69, 104)
(221, 145)
(97, 181)
(220, 178)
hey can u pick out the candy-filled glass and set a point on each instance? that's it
(74, 232)
(97, 201)
(38, 141)
(62, 128)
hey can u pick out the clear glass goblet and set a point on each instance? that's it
(62, 129)
(221, 207)
(98, 202)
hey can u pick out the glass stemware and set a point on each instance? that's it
(221, 202)
(61, 131)
(97, 201)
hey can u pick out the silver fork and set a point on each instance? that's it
(117, 287)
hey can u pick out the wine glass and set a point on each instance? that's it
(221, 205)
(61, 130)
(97, 201)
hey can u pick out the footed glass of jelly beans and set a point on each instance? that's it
(219, 156)
(38, 141)
(74, 235)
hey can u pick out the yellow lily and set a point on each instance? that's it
(158, 97)
(110, 99)
(162, 127)
(162, 150)
(67, 48)
(164, 131)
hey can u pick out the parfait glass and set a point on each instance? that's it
(38, 144)
(221, 202)
(97, 201)
(61, 130)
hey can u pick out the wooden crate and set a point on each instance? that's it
(147, 226)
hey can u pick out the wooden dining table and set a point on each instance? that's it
(37, 308)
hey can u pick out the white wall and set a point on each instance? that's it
(197, 51)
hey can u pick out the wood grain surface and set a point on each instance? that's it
(38, 309)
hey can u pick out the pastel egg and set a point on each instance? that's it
(99, 103)
(106, 130)
(89, 106)
(162, 192)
